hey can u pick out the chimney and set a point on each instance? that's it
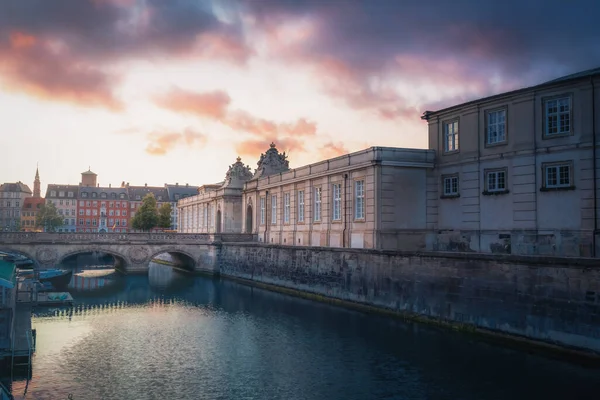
(109, 185)
(145, 185)
(176, 183)
(187, 184)
(97, 186)
(123, 184)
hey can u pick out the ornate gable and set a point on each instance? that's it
(271, 162)
(237, 175)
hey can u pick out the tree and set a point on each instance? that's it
(164, 215)
(48, 218)
(146, 217)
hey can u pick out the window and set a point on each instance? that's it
(84, 194)
(94, 212)
(52, 193)
(274, 209)
(118, 213)
(60, 211)
(451, 136)
(138, 197)
(94, 222)
(337, 202)
(113, 195)
(262, 210)
(87, 221)
(450, 186)
(67, 212)
(72, 221)
(123, 222)
(496, 127)
(88, 203)
(80, 221)
(359, 199)
(70, 194)
(111, 221)
(558, 175)
(61, 194)
(95, 204)
(176, 197)
(495, 181)
(300, 205)
(122, 196)
(318, 193)
(60, 202)
(558, 116)
(88, 212)
(111, 212)
(124, 213)
(118, 204)
(124, 204)
(82, 203)
(103, 195)
(81, 212)
(286, 208)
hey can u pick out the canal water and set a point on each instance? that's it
(169, 335)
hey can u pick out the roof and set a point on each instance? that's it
(572, 77)
(99, 190)
(31, 202)
(18, 187)
(141, 191)
(88, 172)
(63, 188)
(8, 277)
(181, 190)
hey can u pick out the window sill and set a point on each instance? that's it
(449, 152)
(486, 193)
(556, 189)
(359, 220)
(496, 144)
(450, 196)
(557, 135)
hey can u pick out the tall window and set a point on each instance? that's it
(496, 127)
(337, 202)
(286, 208)
(451, 136)
(317, 205)
(274, 209)
(558, 116)
(262, 210)
(359, 199)
(300, 205)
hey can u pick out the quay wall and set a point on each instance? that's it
(549, 300)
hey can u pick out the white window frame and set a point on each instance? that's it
(262, 210)
(496, 126)
(286, 208)
(555, 171)
(273, 209)
(451, 136)
(359, 199)
(337, 202)
(317, 205)
(495, 180)
(300, 205)
(450, 185)
(554, 115)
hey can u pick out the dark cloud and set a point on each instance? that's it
(490, 45)
(79, 42)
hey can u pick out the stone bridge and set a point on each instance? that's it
(132, 251)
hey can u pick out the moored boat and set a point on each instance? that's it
(57, 277)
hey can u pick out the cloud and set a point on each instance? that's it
(212, 104)
(332, 150)
(70, 50)
(162, 142)
(366, 54)
(253, 147)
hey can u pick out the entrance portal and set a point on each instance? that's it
(249, 219)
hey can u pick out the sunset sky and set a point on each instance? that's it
(156, 91)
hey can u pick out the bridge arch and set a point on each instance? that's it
(120, 259)
(11, 250)
(181, 258)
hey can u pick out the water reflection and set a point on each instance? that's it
(171, 335)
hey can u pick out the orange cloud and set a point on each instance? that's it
(163, 142)
(218, 45)
(252, 148)
(332, 150)
(211, 104)
(50, 72)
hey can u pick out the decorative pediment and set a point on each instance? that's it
(271, 162)
(237, 174)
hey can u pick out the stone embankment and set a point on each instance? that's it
(553, 302)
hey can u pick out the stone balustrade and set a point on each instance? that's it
(71, 237)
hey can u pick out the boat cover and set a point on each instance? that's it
(8, 276)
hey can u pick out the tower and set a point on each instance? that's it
(88, 178)
(36, 184)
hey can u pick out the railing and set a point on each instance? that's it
(72, 237)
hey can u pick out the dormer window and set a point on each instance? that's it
(94, 195)
(84, 194)
(52, 193)
(113, 195)
(138, 197)
(103, 195)
(122, 196)
(159, 198)
(176, 197)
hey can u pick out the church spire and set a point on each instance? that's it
(37, 183)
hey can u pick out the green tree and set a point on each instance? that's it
(48, 218)
(164, 215)
(146, 217)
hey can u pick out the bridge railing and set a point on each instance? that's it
(74, 237)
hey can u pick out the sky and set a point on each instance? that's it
(155, 91)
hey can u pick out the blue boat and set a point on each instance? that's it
(56, 277)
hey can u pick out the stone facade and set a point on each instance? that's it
(64, 197)
(12, 198)
(556, 301)
(216, 208)
(516, 173)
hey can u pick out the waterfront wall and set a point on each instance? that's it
(552, 300)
